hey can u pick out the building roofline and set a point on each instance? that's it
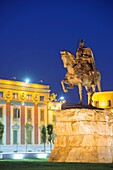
(17, 85)
(22, 83)
(103, 92)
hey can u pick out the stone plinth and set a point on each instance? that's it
(83, 135)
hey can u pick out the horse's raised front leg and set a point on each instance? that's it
(63, 87)
(80, 92)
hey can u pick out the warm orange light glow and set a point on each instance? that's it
(105, 99)
(102, 104)
(112, 110)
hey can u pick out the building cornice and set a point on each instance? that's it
(17, 85)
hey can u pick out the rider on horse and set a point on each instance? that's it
(85, 62)
(85, 55)
(81, 71)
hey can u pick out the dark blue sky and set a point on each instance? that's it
(32, 33)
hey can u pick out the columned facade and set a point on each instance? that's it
(24, 109)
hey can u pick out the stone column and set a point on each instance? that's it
(8, 123)
(22, 124)
(36, 123)
(47, 115)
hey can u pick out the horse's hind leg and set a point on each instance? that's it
(80, 92)
(93, 88)
(89, 93)
(87, 89)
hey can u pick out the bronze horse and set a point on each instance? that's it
(78, 75)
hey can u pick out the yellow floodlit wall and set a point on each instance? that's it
(103, 99)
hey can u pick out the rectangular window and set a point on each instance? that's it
(29, 137)
(41, 115)
(1, 94)
(1, 112)
(96, 103)
(109, 102)
(15, 95)
(54, 118)
(29, 97)
(29, 112)
(16, 113)
(15, 136)
(41, 98)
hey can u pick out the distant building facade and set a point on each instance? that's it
(22, 103)
(103, 100)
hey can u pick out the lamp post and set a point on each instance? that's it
(27, 80)
(40, 81)
(61, 99)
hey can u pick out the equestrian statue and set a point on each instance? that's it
(81, 71)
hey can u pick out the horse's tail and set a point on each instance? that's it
(98, 75)
(98, 80)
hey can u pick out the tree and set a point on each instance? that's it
(43, 136)
(50, 132)
(1, 133)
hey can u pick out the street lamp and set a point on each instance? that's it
(27, 80)
(62, 99)
(40, 81)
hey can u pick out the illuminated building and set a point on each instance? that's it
(103, 100)
(22, 103)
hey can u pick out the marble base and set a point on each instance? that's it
(83, 135)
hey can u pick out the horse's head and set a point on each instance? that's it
(64, 57)
(68, 58)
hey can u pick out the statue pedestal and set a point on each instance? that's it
(83, 135)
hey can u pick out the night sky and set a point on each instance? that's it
(32, 34)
